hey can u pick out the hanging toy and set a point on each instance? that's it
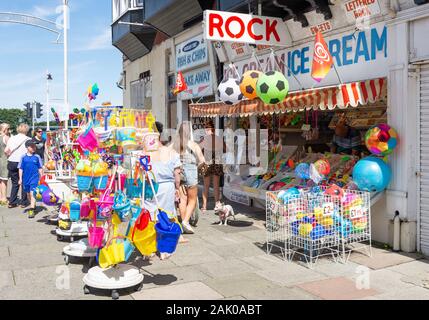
(229, 92)
(272, 87)
(93, 92)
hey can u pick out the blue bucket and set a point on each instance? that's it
(84, 183)
(128, 249)
(133, 191)
(167, 240)
(100, 183)
(74, 211)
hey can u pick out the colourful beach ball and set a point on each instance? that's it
(372, 174)
(38, 192)
(323, 167)
(248, 83)
(49, 198)
(272, 87)
(381, 139)
(302, 171)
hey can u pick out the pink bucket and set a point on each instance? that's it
(88, 139)
(95, 237)
(85, 209)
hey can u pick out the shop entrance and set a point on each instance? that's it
(424, 159)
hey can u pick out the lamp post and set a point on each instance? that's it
(66, 68)
(48, 108)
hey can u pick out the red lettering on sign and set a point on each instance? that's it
(228, 30)
(250, 31)
(271, 29)
(215, 22)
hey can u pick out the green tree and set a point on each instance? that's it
(14, 117)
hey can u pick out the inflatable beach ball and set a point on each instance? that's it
(229, 92)
(272, 87)
(38, 192)
(49, 198)
(372, 174)
(248, 83)
(381, 139)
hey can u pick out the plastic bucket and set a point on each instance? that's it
(126, 136)
(128, 249)
(85, 209)
(84, 183)
(95, 237)
(88, 140)
(167, 240)
(100, 183)
(134, 191)
(75, 211)
(146, 240)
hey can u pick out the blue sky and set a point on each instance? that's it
(27, 52)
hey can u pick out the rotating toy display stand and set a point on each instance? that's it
(80, 249)
(121, 276)
(77, 229)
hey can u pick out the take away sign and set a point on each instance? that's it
(245, 28)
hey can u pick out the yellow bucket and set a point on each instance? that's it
(112, 254)
(145, 240)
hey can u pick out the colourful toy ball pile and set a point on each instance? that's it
(381, 139)
(272, 87)
(248, 83)
(229, 91)
(284, 196)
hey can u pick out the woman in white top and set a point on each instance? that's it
(15, 150)
(4, 173)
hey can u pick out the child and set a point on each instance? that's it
(30, 171)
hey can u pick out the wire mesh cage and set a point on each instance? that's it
(318, 222)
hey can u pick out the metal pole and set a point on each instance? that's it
(48, 109)
(66, 71)
(33, 113)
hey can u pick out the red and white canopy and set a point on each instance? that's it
(329, 98)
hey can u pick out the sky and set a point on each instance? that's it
(26, 53)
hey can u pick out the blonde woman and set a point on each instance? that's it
(191, 156)
(15, 150)
(4, 173)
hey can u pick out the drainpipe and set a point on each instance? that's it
(396, 232)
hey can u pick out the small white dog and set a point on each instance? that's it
(224, 211)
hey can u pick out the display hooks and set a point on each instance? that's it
(254, 56)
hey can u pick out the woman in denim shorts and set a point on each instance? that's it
(191, 156)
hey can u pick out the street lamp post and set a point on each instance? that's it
(48, 111)
(66, 69)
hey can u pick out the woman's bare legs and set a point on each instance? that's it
(206, 192)
(3, 191)
(183, 202)
(192, 203)
(216, 187)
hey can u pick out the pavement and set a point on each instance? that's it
(218, 262)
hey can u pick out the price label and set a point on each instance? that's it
(328, 209)
(356, 212)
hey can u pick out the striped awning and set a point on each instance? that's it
(328, 98)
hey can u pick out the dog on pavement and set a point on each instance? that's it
(224, 211)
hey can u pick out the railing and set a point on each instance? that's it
(119, 7)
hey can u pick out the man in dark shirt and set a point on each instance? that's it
(40, 143)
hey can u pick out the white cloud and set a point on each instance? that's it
(44, 11)
(102, 41)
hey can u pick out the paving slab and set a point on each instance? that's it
(283, 293)
(6, 279)
(382, 258)
(186, 291)
(290, 274)
(332, 269)
(172, 276)
(4, 252)
(31, 260)
(336, 289)
(235, 251)
(250, 283)
(194, 256)
(413, 293)
(264, 261)
(229, 267)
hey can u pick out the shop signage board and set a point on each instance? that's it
(356, 9)
(322, 27)
(358, 56)
(245, 28)
(199, 84)
(191, 53)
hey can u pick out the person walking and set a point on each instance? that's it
(4, 173)
(191, 156)
(15, 150)
(213, 148)
(30, 170)
(40, 143)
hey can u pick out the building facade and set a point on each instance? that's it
(383, 39)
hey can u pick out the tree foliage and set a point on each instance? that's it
(14, 117)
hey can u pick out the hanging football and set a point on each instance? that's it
(272, 87)
(248, 83)
(381, 139)
(229, 92)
